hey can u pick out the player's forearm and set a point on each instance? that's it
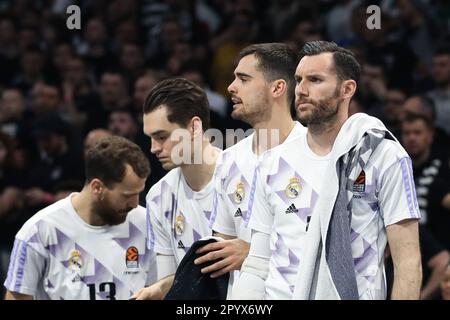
(407, 280)
(17, 296)
(255, 269)
(165, 285)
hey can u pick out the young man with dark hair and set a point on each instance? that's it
(263, 94)
(330, 200)
(431, 175)
(176, 114)
(92, 244)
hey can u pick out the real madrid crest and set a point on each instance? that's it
(75, 260)
(239, 193)
(179, 224)
(293, 188)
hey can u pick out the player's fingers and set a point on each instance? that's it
(216, 266)
(222, 271)
(210, 247)
(207, 257)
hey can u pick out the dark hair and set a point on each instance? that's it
(345, 63)
(183, 100)
(106, 160)
(276, 61)
(412, 116)
(442, 49)
(428, 105)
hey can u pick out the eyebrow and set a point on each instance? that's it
(244, 75)
(158, 132)
(130, 193)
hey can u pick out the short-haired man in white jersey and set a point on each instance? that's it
(381, 207)
(176, 114)
(263, 96)
(92, 244)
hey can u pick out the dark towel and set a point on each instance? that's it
(191, 284)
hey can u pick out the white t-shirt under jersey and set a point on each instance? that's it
(177, 215)
(57, 255)
(288, 187)
(235, 181)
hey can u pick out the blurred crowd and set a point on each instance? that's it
(61, 89)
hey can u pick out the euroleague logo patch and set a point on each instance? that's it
(359, 185)
(132, 257)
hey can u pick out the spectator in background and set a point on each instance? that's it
(393, 109)
(142, 87)
(12, 181)
(425, 106)
(94, 47)
(132, 62)
(373, 87)
(56, 160)
(12, 108)
(240, 32)
(441, 95)
(431, 176)
(32, 63)
(93, 136)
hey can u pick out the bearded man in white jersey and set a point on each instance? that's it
(176, 115)
(305, 191)
(92, 244)
(263, 96)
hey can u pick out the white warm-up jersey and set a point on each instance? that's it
(177, 215)
(235, 181)
(288, 187)
(57, 255)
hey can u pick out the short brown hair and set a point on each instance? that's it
(183, 99)
(106, 160)
(345, 63)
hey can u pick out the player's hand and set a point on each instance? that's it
(152, 292)
(231, 253)
(445, 285)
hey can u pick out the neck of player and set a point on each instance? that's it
(269, 134)
(199, 175)
(82, 204)
(321, 136)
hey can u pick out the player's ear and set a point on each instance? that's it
(348, 88)
(278, 88)
(196, 127)
(98, 188)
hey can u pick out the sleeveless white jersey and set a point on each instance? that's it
(57, 255)
(177, 215)
(235, 182)
(288, 187)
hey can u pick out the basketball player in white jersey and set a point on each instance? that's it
(263, 94)
(179, 205)
(92, 244)
(291, 182)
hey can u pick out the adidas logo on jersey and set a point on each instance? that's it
(291, 209)
(238, 213)
(180, 245)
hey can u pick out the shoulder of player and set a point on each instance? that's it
(388, 152)
(170, 179)
(138, 214)
(30, 227)
(235, 149)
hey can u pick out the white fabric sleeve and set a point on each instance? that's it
(260, 213)
(158, 240)
(26, 269)
(397, 196)
(254, 270)
(221, 215)
(166, 266)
